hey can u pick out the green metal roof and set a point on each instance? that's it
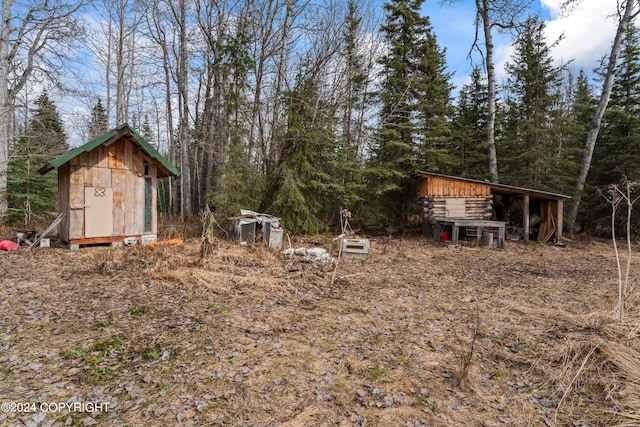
(165, 168)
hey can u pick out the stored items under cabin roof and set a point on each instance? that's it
(445, 200)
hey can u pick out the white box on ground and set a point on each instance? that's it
(355, 248)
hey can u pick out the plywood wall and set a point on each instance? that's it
(120, 166)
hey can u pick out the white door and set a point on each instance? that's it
(98, 212)
(456, 208)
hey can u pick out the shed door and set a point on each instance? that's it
(148, 197)
(98, 212)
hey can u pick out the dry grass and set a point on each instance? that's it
(419, 333)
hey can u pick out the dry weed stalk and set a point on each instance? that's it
(138, 258)
(465, 355)
(345, 231)
(208, 238)
(614, 197)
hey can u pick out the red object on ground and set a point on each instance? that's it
(444, 236)
(8, 245)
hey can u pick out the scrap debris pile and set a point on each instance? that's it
(307, 255)
(252, 227)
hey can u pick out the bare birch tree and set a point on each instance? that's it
(505, 15)
(265, 49)
(32, 35)
(269, 154)
(114, 48)
(182, 82)
(159, 28)
(626, 14)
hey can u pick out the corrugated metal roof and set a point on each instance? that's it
(165, 169)
(498, 188)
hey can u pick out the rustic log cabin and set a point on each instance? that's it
(455, 203)
(107, 188)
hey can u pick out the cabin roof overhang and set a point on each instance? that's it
(499, 189)
(165, 169)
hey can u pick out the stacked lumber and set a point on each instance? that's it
(545, 233)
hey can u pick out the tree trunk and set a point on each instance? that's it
(598, 114)
(483, 12)
(108, 73)
(5, 107)
(207, 136)
(120, 64)
(256, 127)
(183, 90)
(271, 150)
(158, 33)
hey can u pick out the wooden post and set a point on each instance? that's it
(559, 216)
(455, 234)
(525, 219)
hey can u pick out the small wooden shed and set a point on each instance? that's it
(444, 198)
(107, 188)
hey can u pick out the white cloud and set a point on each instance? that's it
(587, 31)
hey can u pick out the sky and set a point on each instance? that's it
(588, 31)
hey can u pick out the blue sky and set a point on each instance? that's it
(588, 32)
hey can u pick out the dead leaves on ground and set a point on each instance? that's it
(243, 336)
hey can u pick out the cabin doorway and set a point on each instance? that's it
(148, 195)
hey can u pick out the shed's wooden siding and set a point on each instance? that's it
(436, 186)
(76, 203)
(120, 166)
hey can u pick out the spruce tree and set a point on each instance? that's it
(32, 196)
(99, 122)
(145, 131)
(618, 151)
(415, 98)
(529, 144)
(304, 186)
(356, 79)
(470, 130)
(572, 129)
(355, 101)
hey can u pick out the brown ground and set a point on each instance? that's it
(420, 334)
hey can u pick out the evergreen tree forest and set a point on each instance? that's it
(299, 109)
(32, 196)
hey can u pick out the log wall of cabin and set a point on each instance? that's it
(433, 209)
(120, 166)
